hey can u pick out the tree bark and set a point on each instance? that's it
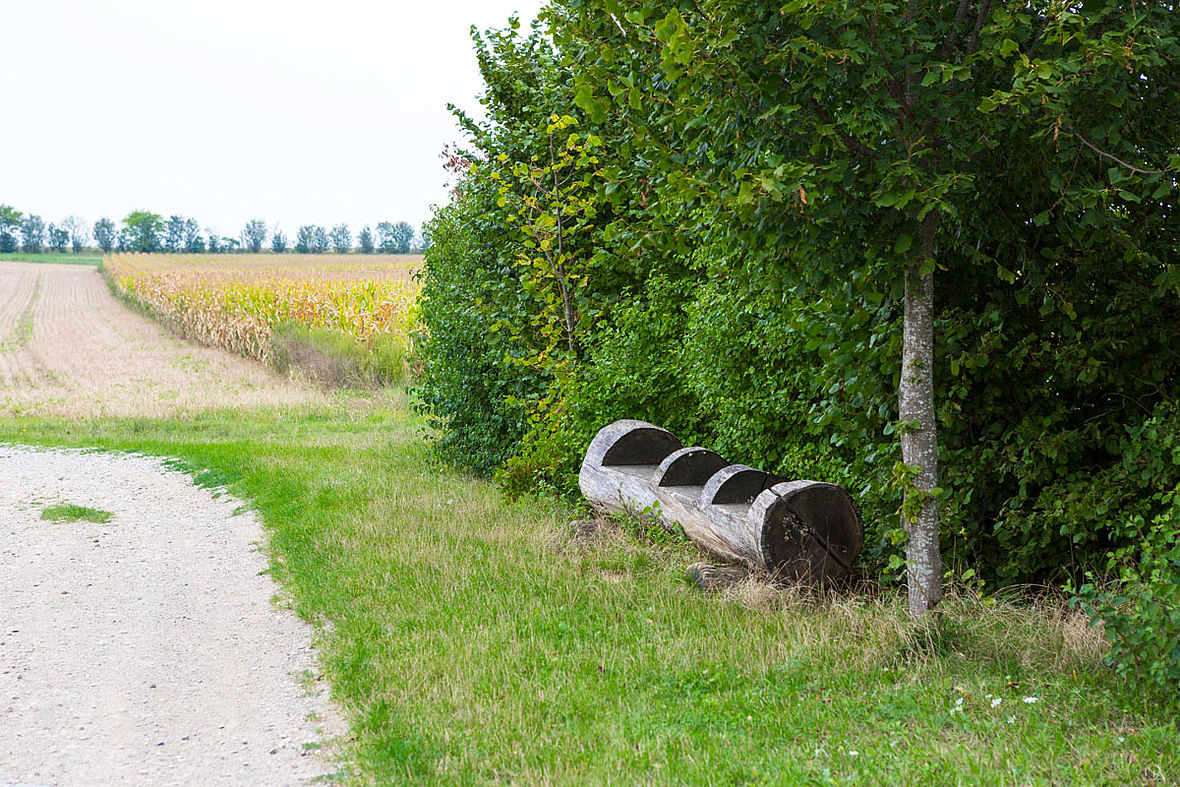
(919, 438)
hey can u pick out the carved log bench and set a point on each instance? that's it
(806, 532)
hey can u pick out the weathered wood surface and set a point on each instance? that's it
(808, 532)
(711, 576)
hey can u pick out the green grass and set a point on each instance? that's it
(82, 258)
(473, 642)
(334, 359)
(68, 512)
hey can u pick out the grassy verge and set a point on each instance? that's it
(472, 641)
(335, 359)
(82, 258)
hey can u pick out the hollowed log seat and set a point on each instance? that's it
(806, 532)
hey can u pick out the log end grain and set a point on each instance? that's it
(811, 531)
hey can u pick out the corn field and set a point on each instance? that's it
(236, 301)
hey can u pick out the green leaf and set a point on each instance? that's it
(903, 243)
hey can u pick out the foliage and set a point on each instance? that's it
(174, 234)
(78, 231)
(1136, 599)
(1024, 156)
(341, 239)
(320, 241)
(10, 223)
(32, 232)
(194, 243)
(365, 240)
(105, 235)
(305, 239)
(1139, 608)
(254, 235)
(394, 238)
(487, 368)
(278, 242)
(57, 238)
(550, 199)
(477, 403)
(142, 231)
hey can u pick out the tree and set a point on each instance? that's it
(552, 198)
(143, 230)
(425, 238)
(386, 240)
(105, 235)
(33, 234)
(254, 235)
(278, 242)
(855, 143)
(193, 242)
(11, 220)
(341, 239)
(365, 240)
(215, 242)
(320, 241)
(174, 234)
(305, 239)
(395, 238)
(403, 237)
(79, 232)
(58, 238)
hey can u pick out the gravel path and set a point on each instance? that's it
(146, 650)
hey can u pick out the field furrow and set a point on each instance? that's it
(69, 348)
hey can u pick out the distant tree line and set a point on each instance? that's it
(150, 232)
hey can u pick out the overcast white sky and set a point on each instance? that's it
(225, 110)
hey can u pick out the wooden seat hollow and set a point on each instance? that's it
(808, 532)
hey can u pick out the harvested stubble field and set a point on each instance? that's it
(236, 302)
(69, 349)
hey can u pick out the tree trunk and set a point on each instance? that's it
(919, 444)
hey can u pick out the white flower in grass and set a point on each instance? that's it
(957, 707)
(1011, 719)
(1030, 700)
(853, 753)
(996, 702)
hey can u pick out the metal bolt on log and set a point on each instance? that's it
(803, 532)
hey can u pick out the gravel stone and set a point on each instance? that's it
(147, 650)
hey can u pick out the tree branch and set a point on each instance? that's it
(980, 18)
(1116, 159)
(853, 144)
(952, 35)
